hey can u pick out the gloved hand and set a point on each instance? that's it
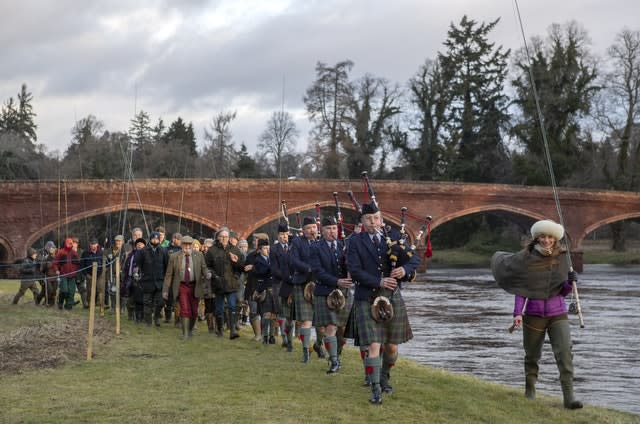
(136, 276)
(208, 275)
(572, 276)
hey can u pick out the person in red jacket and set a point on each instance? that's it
(66, 264)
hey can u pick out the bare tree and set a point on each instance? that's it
(220, 152)
(278, 139)
(617, 112)
(327, 102)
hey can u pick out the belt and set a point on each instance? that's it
(189, 283)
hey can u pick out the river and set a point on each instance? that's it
(460, 318)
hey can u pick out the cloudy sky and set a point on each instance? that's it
(195, 58)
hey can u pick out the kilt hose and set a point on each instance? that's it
(395, 331)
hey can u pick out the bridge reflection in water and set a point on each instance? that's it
(460, 318)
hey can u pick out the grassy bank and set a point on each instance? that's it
(148, 375)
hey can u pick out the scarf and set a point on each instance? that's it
(530, 273)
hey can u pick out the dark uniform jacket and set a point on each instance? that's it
(367, 265)
(280, 269)
(300, 260)
(262, 271)
(152, 263)
(327, 267)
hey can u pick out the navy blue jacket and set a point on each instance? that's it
(299, 260)
(327, 267)
(367, 265)
(262, 272)
(280, 269)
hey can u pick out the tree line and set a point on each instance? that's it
(469, 114)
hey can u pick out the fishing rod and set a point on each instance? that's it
(547, 153)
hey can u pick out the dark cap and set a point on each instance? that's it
(93, 240)
(283, 227)
(262, 242)
(140, 240)
(369, 208)
(329, 220)
(307, 221)
(154, 234)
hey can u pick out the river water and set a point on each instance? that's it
(460, 318)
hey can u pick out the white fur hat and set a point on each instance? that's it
(546, 226)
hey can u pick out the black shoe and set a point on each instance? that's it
(367, 381)
(77, 302)
(60, 306)
(387, 388)
(334, 366)
(319, 351)
(305, 355)
(574, 404)
(272, 340)
(376, 395)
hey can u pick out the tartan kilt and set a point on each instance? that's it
(395, 331)
(325, 316)
(276, 298)
(268, 305)
(286, 309)
(322, 315)
(303, 309)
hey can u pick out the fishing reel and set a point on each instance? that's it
(573, 308)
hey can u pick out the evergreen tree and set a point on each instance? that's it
(565, 81)
(474, 71)
(245, 166)
(179, 133)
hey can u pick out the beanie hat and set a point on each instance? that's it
(307, 221)
(547, 227)
(49, 245)
(154, 234)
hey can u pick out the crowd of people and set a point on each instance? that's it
(310, 279)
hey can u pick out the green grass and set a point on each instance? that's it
(149, 375)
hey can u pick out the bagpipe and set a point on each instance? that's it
(336, 300)
(399, 252)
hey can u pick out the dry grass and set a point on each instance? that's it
(49, 344)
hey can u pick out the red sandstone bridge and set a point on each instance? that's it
(32, 209)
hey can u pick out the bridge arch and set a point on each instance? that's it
(116, 208)
(606, 221)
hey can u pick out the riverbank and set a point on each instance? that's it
(594, 252)
(147, 375)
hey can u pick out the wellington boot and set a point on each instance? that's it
(255, 325)
(211, 326)
(233, 329)
(85, 302)
(192, 325)
(567, 395)
(185, 328)
(530, 388)
(219, 326)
